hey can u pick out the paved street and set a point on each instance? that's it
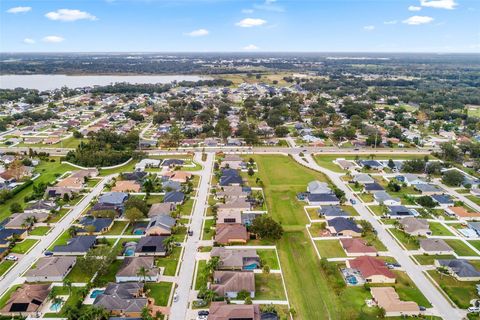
(439, 302)
(14, 275)
(178, 311)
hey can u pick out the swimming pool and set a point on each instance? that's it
(352, 280)
(55, 307)
(252, 266)
(138, 232)
(95, 293)
(129, 252)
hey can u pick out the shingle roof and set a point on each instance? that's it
(369, 266)
(122, 297)
(77, 244)
(462, 268)
(340, 224)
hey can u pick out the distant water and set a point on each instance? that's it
(54, 81)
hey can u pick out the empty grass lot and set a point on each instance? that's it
(330, 248)
(430, 259)
(169, 263)
(202, 277)
(24, 246)
(269, 287)
(117, 228)
(309, 290)
(439, 230)
(475, 243)
(461, 292)
(160, 292)
(408, 241)
(208, 232)
(5, 265)
(460, 248)
(269, 258)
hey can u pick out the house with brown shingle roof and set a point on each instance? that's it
(72, 183)
(161, 209)
(28, 298)
(236, 259)
(435, 246)
(230, 233)
(373, 270)
(127, 186)
(355, 247)
(233, 216)
(388, 299)
(129, 271)
(230, 283)
(415, 227)
(223, 311)
(462, 213)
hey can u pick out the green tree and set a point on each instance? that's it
(133, 215)
(452, 178)
(266, 228)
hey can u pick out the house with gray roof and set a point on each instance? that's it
(332, 211)
(129, 271)
(383, 197)
(230, 283)
(50, 269)
(151, 246)
(415, 227)
(115, 198)
(174, 197)
(443, 200)
(363, 178)
(317, 187)
(344, 227)
(161, 209)
(126, 299)
(76, 246)
(398, 212)
(475, 226)
(428, 189)
(160, 225)
(236, 259)
(461, 269)
(435, 246)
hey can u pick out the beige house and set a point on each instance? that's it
(415, 227)
(373, 270)
(388, 299)
(50, 269)
(233, 216)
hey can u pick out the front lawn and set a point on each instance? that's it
(78, 275)
(61, 240)
(269, 258)
(460, 247)
(160, 292)
(208, 232)
(169, 262)
(23, 246)
(39, 231)
(109, 276)
(377, 210)
(439, 230)
(5, 265)
(424, 259)
(269, 287)
(330, 249)
(410, 242)
(201, 280)
(186, 208)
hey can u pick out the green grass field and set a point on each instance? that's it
(117, 228)
(160, 292)
(269, 257)
(460, 248)
(201, 280)
(430, 259)
(5, 265)
(269, 287)
(461, 292)
(439, 230)
(39, 231)
(408, 241)
(24, 246)
(169, 262)
(330, 249)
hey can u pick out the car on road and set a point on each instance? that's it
(422, 308)
(353, 201)
(175, 297)
(48, 253)
(190, 233)
(11, 258)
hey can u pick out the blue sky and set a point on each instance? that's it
(236, 25)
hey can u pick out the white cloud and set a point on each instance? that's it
(247, 11)
(390, 22)
(416, 20)
(19, 9)
(53, 39)
(28, 41)
(197, 33)
(369, 28)
(439, 4)
(250, 47)
(69, 15)
(251, 22)
(414, 8)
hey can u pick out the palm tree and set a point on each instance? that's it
(148, 185)
(68, 284)
(169, 244)
(142, 273)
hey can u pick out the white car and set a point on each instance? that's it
(473, 309)
(11, 258)
(175, 297)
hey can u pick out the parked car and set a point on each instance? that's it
(48, 253)
(175, 297)
(473, 309)
(202, 315)
(353, 201)
(422, 308)
(190, 233)
(11, 258)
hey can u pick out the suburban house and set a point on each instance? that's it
(435, 247)
(373, 187)
(232, 193)
(331, 211)
(161, 209)
(410, 179)
(461, 269)
(137, 176)
(147, 163)
(236, 259)
(230, 233)
(77, 246)
(399, 212)
(230, 283)
(223, 311)
(230, 178)
(428, 189)
(475, 226)
(27, 299)
(388, 299)
(170, 163)
(236, 205)
(58, 192)
(462, 213)
(41, 206)
(443, 200)
(91, 225)
(160, 225)
(151, 246)
(129, 271)
(372, 164)
(6, 236)
(178, 176)
(19, 220)
(345, 164)
(355, 247)
(415, 227)
(170, 185)
(114, 198)
(317, 187)
(322, 199)
(232, 161)
(125, 299)
(127, 186)
(73, 183)
(50, 269)
(373, 270)
(174, 197)
(230, 216)
(106, 209)
(344, 227)
(383, 197)
(363, 178)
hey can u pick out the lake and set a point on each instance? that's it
(54, 81)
